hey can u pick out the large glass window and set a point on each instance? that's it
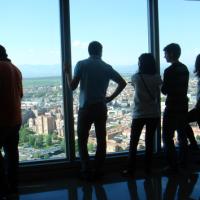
(121, 26)
(31, 34)
(179, 24)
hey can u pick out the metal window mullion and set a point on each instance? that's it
(153, 28)
(67, 93)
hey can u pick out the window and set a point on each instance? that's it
(122, 29)
(31, 35)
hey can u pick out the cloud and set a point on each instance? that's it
(79, 44)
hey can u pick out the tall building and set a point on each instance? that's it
(48, 124)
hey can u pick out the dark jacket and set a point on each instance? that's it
(11, 93)
(175, 86)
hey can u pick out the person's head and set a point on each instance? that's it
(95, 48)
(147, 64)
(197, 66)
(3, 54)
(172, 52)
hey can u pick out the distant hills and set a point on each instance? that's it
(36, 71)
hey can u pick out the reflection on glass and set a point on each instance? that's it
(31, 36)
(121, 27)
(180, 186)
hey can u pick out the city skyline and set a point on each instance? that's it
(43, 119)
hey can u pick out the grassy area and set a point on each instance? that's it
(45, 81)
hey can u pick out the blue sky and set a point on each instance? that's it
(30, 29)
(179, 22)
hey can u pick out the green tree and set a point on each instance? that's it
(48, 139)
(90, 147)
(23, 137)
(39, 141)
(46, 156)
(54, 136)
(76, 146)
(37, 155)
(63, 146)
(31, 140)
(24, 134)
(198, 138)
(30, 132)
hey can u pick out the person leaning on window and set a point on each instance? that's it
(11, 93)
(94, 76)
(146, 110)
(194, 114)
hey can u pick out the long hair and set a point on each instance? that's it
(197, 66)
(147, 64)
(3, 54)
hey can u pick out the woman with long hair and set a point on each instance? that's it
(194, 114)
(146, 110)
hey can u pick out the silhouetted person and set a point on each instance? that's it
(175, 86)
(94, 76)
(10, 121)
(146, 111)
(194, 114)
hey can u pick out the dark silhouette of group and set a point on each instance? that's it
(175, 117)
(94, 75)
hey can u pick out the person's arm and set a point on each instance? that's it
(19, 83)
(72, 82)
(159, 82)
(164, 87)
(21, 88)
(133, 80)
(121, 85)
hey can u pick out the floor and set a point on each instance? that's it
(113, 186)
(183, 186)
